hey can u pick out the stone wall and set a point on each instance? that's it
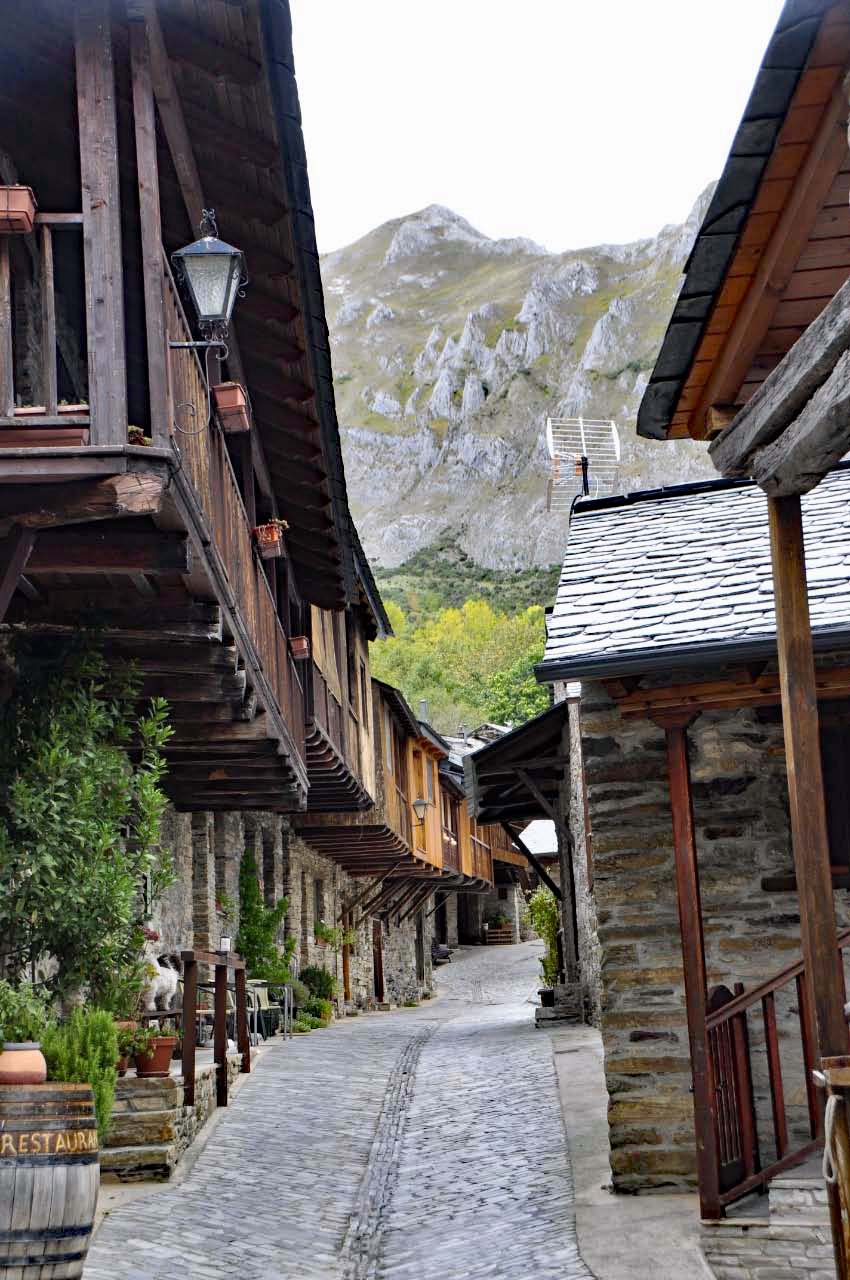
(742, 829)
(203, 903)
(587, 930)
(505, 900)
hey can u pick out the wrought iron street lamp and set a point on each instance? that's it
(213, 273)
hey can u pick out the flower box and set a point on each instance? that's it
(299, 647)
(231, 405)
(17, 211)
(269, 538)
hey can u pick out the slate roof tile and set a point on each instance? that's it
(689, 566)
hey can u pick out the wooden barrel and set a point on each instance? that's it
(49, 1178)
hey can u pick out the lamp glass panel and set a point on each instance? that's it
(209, 276)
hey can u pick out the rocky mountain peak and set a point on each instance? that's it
(451, 349)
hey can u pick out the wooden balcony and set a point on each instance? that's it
(156, 542)
(482, 859)
(451, 856)
(333, 751)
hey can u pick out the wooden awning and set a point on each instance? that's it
(774, 247)
(517, 778)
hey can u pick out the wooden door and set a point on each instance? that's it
(378, 959)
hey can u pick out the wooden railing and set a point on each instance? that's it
(482, 859)
(741, 1162)
(205, 460)
(451, 859)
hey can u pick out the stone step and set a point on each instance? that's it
(154, 1162)
(799, 1195)
(143, 1128)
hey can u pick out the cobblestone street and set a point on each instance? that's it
(423, 1143)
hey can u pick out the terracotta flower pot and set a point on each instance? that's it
(231, 405)
(158, 1061)
(122, 1066)
(299, 647)
(22, 1063)
(17, 210)
(269, 540)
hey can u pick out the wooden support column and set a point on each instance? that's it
(805, 778)
(693, 961)
(220, 1031)
(190, 1029)
(243, 1037)
(144, 119)
(101, 222)
(14, 554)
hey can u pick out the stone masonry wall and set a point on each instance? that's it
(585, 902)
(203, 903)
(742, 828)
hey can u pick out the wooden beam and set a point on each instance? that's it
(134, 493)
(787, 389)
(187, 43)
(48, 324)
(536, 863)
(144, 121)
(805, 777)
(101, 222)
(693, 963)
(825, 157)
(715, 695)
(109, 550)
(813, 444)
(15, 551)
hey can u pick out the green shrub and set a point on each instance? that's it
(546, 921)
(319, 981)
(256, 941)
(316, 1007)
(306, 1022)
(24, 1013)
(410, 1004)
(327, 934)
(300, 993)
(84, 1050)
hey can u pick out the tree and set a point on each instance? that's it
(514, 695)
(79, 820)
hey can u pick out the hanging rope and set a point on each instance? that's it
(830, 1151)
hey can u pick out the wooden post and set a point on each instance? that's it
(220, 1033)
(101, 222)
(243, 1039)
(346, 960)
(144, 119)
(693, 961)
(7, 354)
(190, 1014)
(805, 778)
(48, 324)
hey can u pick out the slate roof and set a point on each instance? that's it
(681, 576)
(717, 240)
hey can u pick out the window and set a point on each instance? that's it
(429, 777)
(364, 694)
(388, 738)
(318, 901)
(503, 894)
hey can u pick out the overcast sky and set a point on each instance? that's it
(574, 122)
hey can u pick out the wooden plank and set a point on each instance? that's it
(693, 960)
(48, 324)
(813, 443)
(753, 317)
(101, 222)
(15, 551)
(220, 1032)
(536, 864)
(190, 1010)
(787, 390)
(45, 506)
(7, 357)
(805, 780)
(144, 121)
(774, 1070)
(107, 550)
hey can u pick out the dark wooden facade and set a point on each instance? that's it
(124, 504)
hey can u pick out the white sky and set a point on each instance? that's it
(573, 122)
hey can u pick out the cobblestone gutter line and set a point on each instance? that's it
(361, 1248)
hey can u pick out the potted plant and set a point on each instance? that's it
(231, 405)
(24, 1018)
(269, 538)
(17, 210)
(153, 1052)
(132, 1040)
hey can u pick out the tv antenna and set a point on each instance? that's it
(585, 454)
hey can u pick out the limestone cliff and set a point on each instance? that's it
(450, 349)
